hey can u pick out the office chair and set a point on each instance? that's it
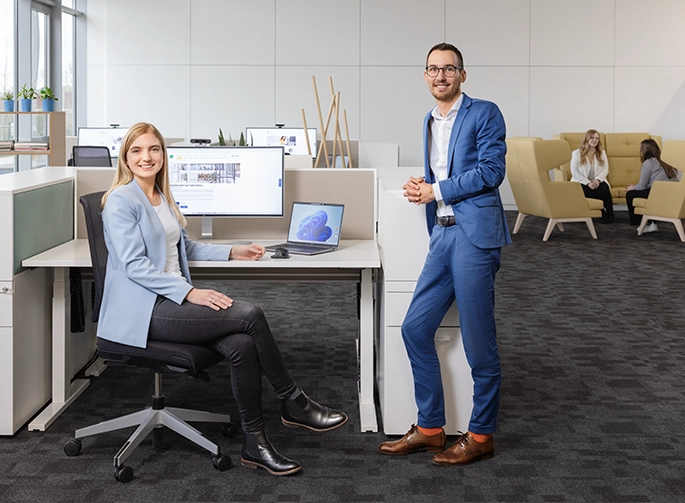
(91, 157)
(161, 357)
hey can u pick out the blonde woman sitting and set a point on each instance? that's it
(590, 168)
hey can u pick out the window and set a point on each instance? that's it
(68, 67)
(42, 43)
(7, 76)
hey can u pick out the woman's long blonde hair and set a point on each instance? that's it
(585, 148)
(124, 175)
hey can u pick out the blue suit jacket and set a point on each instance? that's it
(476, 168)
(135, 267)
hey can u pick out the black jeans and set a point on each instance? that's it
(630, 195)
(240, 333)
(602, 192)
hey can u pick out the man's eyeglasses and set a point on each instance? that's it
(447, 71)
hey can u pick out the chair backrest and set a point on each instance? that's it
(91, 156)
(673, 153)
(92, 209)
(160, 356)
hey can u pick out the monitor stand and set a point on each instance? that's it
(208, 233)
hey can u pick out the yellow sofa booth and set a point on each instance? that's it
(528, 164)
(666, 201)
(623, 152)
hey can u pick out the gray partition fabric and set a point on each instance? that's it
(43, 219)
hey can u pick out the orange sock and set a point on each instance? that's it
(429, 432)
(479, 437)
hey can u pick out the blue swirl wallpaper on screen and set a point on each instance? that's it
(314, 228)
(315, 223)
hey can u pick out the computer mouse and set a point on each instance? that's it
(281, 253)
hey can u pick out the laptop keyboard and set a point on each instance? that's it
(304, 248)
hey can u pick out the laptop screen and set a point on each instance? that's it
(315, 223)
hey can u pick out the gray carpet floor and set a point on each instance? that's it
(593, 409)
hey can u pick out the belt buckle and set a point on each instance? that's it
(445, 221)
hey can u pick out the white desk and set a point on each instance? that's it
(353, 261)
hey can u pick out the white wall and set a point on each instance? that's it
(193, 66)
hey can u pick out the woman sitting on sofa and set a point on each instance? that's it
(653, 169)
(590, 167)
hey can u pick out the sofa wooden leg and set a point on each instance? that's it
(679, 227)
(519, 221)
(591, 227)
(643, 224)
(550, 227)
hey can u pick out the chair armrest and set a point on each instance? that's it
(567, 200)
(559, 175)
(665, 199)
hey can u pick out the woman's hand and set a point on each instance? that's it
(210, 298)
(594, 184)
(630, 187)
(249, 252)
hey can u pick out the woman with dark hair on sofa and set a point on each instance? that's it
(590, 168)
(653, 169)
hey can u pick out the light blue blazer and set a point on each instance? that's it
(135, 268)
(476, 168)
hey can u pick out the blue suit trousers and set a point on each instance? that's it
(455, 270)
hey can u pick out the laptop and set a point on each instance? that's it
(314, 228)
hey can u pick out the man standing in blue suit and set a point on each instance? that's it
(464, 150)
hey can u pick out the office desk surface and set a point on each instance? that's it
(355, 254)
(352, 261)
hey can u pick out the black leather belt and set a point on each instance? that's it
(447, 221)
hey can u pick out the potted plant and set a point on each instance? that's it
(8, 101)
(47, 99)
(26, 94)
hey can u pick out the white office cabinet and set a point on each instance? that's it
(25, 339)
(403, 244)
(36, 213)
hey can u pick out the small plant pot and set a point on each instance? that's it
(8, 105)
(25, 105)
(48, 105)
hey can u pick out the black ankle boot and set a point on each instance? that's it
(259, 453)
(303, 411)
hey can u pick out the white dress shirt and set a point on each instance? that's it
(441, 130)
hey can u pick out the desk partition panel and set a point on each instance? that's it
(355, 188)
(43, 219)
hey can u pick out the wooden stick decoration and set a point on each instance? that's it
(347, 139)
(336, 133)
(323, 141)
(306, 133)
(325, 134)
(338, 136)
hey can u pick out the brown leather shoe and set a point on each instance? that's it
(466, 450)
(414, 441)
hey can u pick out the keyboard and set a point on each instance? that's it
(292, 248)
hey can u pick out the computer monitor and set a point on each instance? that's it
(110, 137)
(226, 182)
(292, 139)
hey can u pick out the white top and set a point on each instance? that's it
(586, 172)
(173, 234)
(441, 130)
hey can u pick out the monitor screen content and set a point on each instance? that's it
(227, 181)
(315, 223)
(103, 136)
(292, 140)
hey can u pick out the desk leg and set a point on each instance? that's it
(63, 390)
(367, 406)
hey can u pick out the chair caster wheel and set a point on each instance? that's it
(230, 430)
(157, 439)
(222, 462)
(123, 473)
(72, 447)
